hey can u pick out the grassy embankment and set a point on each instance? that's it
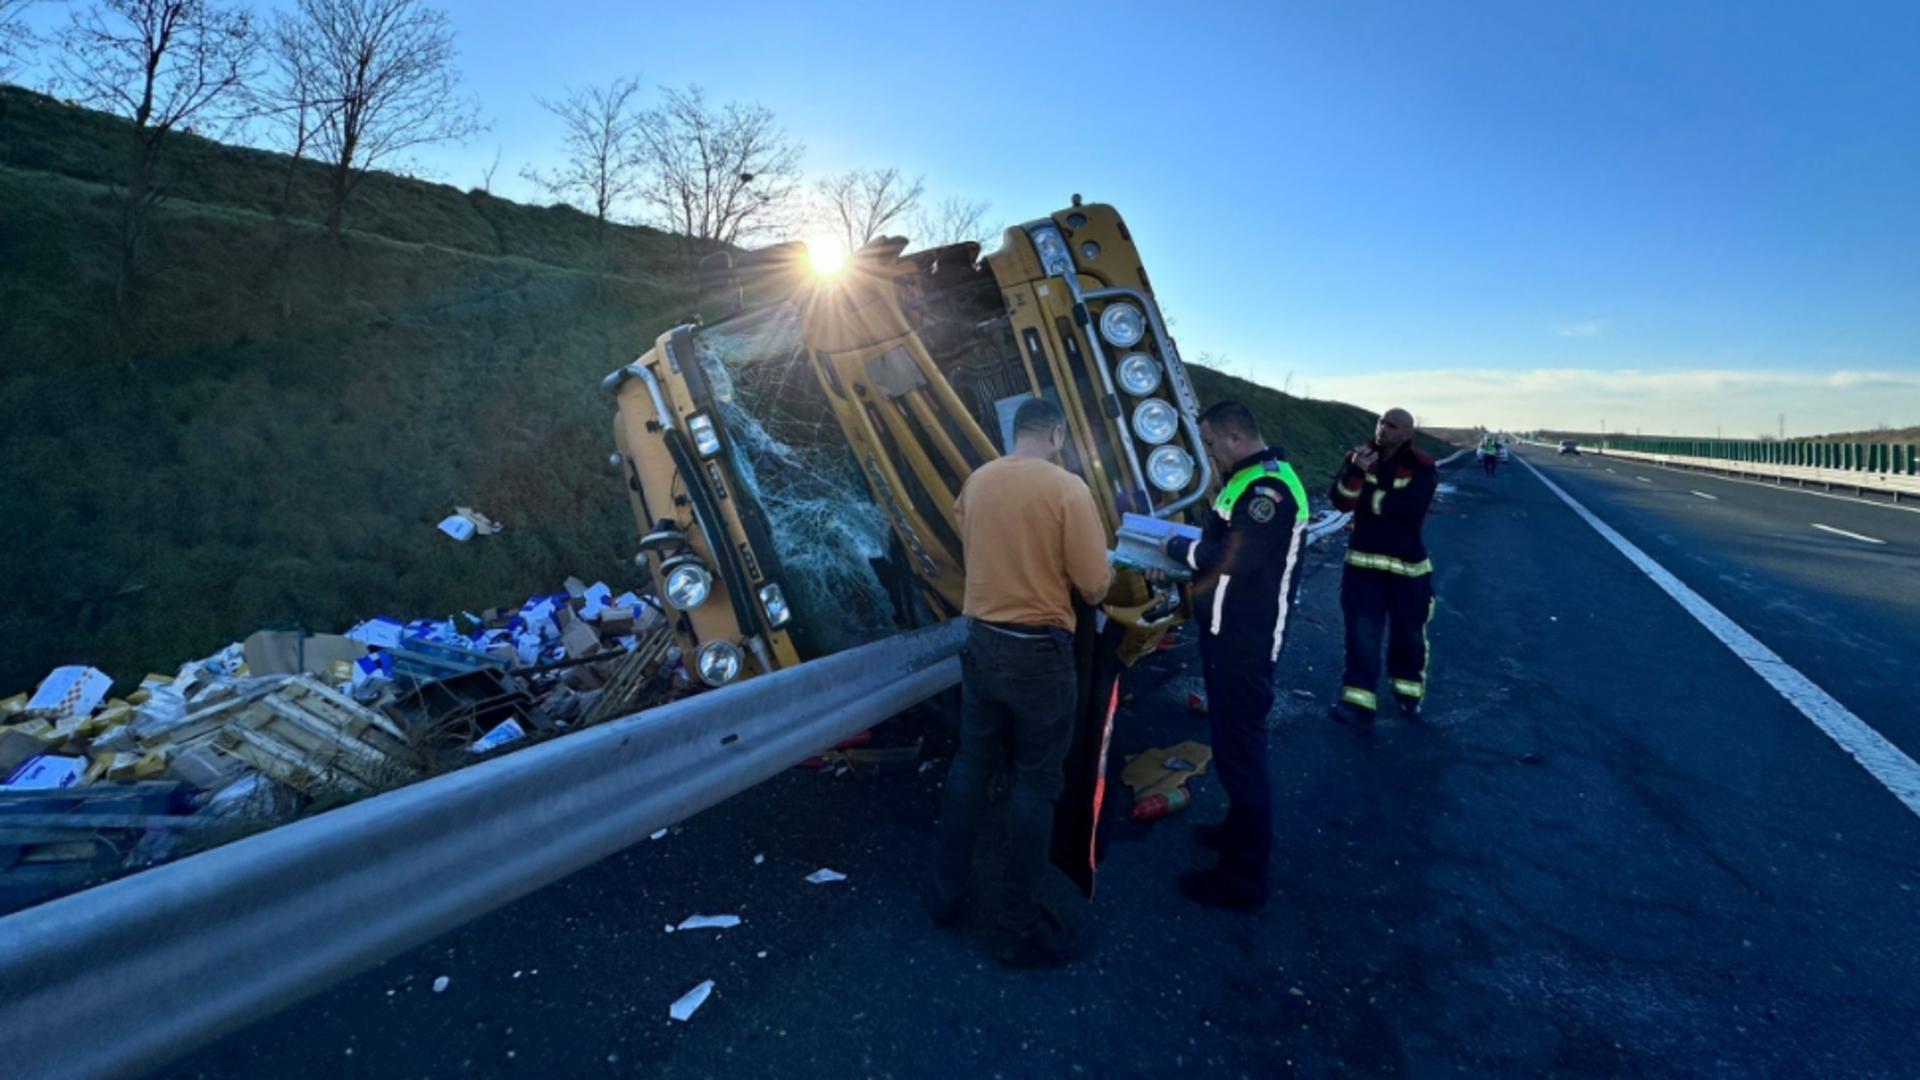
(271, 436)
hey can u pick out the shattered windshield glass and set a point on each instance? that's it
(792, 461)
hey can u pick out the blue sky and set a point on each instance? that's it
(1670, 216)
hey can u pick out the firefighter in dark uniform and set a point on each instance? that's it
(1246, 568)
(1387, 588)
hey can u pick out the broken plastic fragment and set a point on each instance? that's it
(708, 922)
(824, 876)
(758, 859)
(684, 1009)
(658, 834)
(440, 984)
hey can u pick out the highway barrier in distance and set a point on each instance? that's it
(1886, 468)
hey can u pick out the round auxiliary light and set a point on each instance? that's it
(1139, 374)
(1123, 325)
(719, 662)
(1155, 421)
(1170, 469)
(688, 586)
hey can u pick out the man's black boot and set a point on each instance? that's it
(1410, 710)
(1341, 712)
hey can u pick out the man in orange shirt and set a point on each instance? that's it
(1032, 537)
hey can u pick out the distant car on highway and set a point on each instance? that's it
(1568, 446)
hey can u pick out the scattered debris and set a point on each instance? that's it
(287, 721)
(1158, 778)
(708, 922)
(1531, 758)
(658, 834)
(1303, 695)
(440, 984)
(690, 1002)
(758, 859)
(824, 876)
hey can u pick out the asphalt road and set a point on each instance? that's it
(1613, 849)
(1832, 584)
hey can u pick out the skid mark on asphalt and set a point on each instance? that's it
(1895, 771)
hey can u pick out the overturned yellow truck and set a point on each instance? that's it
(793, 455)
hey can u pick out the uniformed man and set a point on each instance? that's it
(1387, 588)
(1246, 569)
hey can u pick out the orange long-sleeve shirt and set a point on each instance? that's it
(1031, 533)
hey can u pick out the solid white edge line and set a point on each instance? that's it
(1886, 762)
(1845, 533)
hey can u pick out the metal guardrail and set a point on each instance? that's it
(133, 973)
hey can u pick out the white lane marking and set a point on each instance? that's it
(1845, 533)
(1886, 762)
(1709, 498)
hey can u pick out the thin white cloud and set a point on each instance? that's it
(1587, 328)
(1740, 403)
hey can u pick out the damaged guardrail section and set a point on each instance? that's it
(125, 976)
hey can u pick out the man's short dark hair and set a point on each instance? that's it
(1037, 414)
(1231, 417)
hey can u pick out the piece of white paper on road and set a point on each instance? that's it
(824, 876)
(708, 922)
(690, 1001)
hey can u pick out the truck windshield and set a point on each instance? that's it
(792, 471)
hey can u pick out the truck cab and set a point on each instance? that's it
(794, 456)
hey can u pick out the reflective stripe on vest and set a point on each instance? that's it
(1229, 496)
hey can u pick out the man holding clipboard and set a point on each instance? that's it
(1245, 569)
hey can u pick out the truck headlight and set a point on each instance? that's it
(1053, 252)
(1170, 469)
(719, 662)
(688, 583)
(705, 439)
(1122, 325)
(1139, 374)
(774, 602)
(1155, 421)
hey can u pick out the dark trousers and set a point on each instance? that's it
(1380, 604)
(1239, 697)
(1017, 694)
(1490, 463)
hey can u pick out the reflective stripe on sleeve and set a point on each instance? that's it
(1286, 593)
(1391, 565)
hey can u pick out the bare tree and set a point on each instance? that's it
(293, 101)
(952, 220)
(486, 175)
(387, 68)
(16, 40)
(164, 65)
(862, 203)
(719, 175)
(603, 165)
